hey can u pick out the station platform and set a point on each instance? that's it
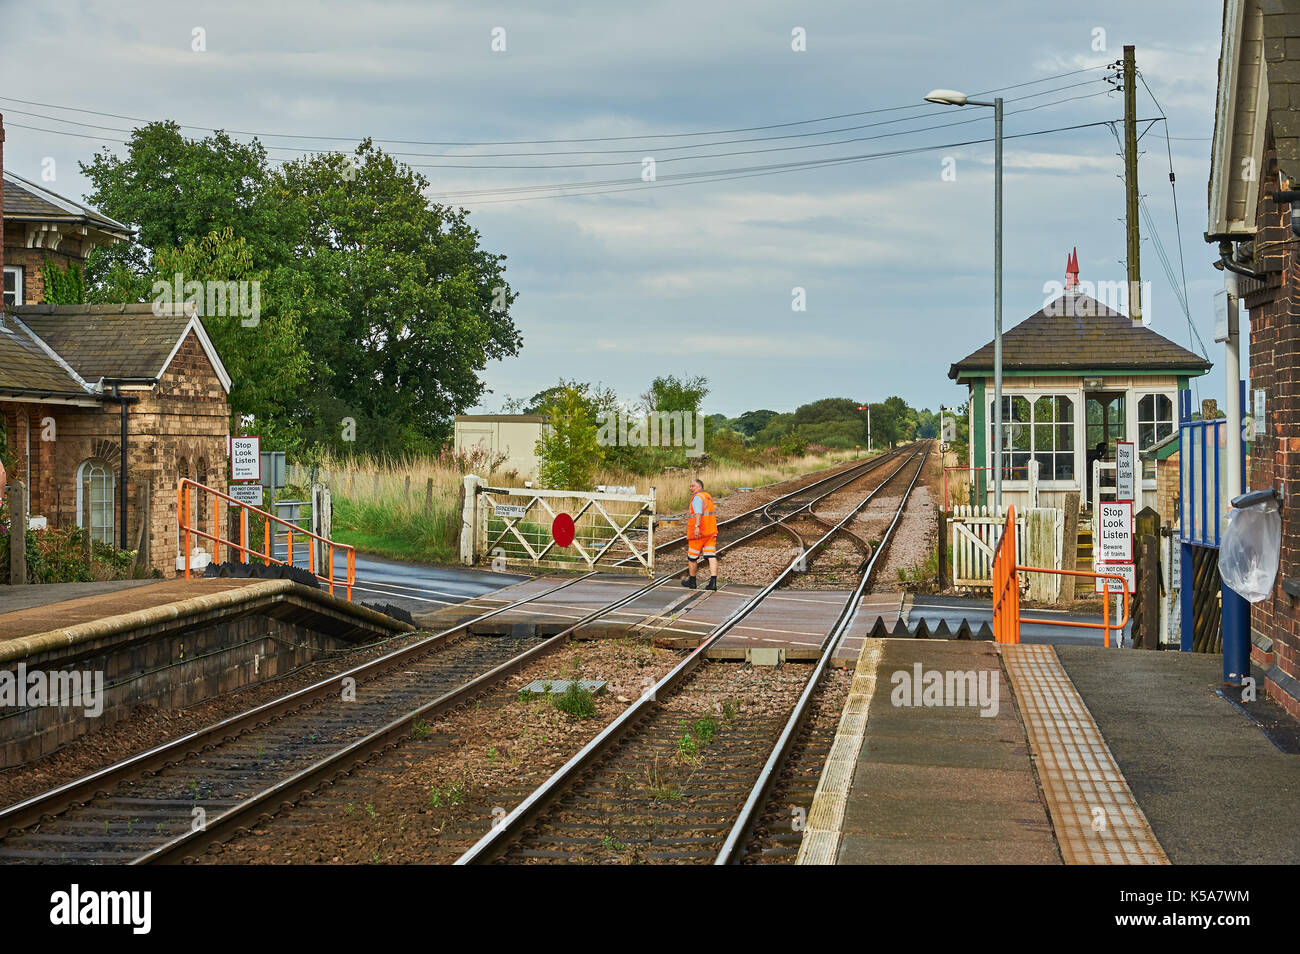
(1079, 755)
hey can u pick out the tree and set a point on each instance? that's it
(751, 422)
(399, 305)
(264, 353)
(406, 307)
(670, 393)
(568, 452)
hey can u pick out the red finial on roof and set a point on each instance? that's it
(1072, 269)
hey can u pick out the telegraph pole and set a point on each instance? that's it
(1131, 188)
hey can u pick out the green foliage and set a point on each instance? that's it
(267, 360)
(794, 445)
(399, 306)
(575, 701)
(568, 452)
(63, 286)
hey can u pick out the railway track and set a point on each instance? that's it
(174, 800)
(773, 515)
(697, 768)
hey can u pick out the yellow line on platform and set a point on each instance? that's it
(1096, 818)
(821, 839)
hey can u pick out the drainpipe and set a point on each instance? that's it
(123, 401)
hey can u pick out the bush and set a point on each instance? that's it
(792, 445)
(576, 701)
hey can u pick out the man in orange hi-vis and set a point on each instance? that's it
(701, 535)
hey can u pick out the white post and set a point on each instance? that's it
(1232, 369)
(469, 519)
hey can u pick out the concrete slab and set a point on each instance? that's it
(1213, 787)
(938, 784)
(61, 604)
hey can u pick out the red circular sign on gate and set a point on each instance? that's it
(562, 529)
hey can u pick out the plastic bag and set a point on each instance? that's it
(1250, 548)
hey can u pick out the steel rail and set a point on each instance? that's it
(513, 824)
(741, 828)
(56, 800)
(312, 776)
(30, 811)
(849, 473)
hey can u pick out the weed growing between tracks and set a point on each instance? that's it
(434, 795)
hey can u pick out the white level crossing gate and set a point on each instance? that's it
(975, 534)
(513, 526)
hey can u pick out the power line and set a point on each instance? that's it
(537, 142)
(721, 175)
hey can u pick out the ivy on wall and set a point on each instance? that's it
(64, 286)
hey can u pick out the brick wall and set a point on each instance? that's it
(1274, 306)
(178, 429)
(33, 262)
(1167, 489)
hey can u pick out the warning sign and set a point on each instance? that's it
(1115, 531)
(1126, 570)
(245, 458)
(250, 494)
(1125, 471)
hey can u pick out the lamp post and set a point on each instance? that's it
(949, 97)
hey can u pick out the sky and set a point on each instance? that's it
(622, 277)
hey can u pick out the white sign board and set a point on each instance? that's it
(1126, 570)
(1114, 531)
(245, 458)
(250, 494)
(509, 510)
(1258, 416)
(1125, 470)
(1220, 315)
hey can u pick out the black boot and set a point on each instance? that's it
(712, 584)
(689, 582)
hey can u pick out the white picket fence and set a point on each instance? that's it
(1039, 538)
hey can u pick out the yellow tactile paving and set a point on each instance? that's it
(821, 839)
(1096, 817)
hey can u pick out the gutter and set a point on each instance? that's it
(124, 401)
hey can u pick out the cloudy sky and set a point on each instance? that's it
(695, 272)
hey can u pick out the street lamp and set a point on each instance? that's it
(950, 97)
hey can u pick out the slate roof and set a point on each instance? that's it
(25, 200)
(1077, 332)
(113, 341)
(67, 350)
(26, 367)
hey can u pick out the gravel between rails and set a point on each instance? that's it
(433, 796)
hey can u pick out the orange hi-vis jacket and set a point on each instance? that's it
(708, 519)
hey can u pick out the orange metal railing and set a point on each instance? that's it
(1006, 592)
(184, 498)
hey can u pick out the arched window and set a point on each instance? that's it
(95, 496)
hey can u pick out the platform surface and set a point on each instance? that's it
(1107, 756)
(58, 605)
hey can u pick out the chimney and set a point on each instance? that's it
(1072, 270)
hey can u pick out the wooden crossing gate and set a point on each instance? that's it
(516, 526)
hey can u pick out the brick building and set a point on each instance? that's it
(79, 383)
(1256, 153)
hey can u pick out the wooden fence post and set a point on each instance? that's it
(17, 533)
(406, 493)
(428, 497)
(143, 557)
(1070, 547)
(1146, 609)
